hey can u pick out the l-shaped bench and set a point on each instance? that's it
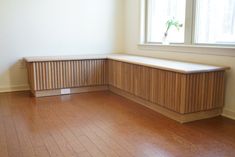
(179, 90)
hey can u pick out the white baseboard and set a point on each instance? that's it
(229, 114)
(15, 88)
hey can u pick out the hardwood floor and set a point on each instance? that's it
(103, 124)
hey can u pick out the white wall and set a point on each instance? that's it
(55, 27)
(131, 46)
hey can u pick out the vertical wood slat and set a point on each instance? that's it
(66, 74)
(154, 85)
(31, 74)
(205, 92)
(182, 93)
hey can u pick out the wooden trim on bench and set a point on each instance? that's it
(57, 92)
(182, 118)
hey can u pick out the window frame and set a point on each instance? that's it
(190, 24)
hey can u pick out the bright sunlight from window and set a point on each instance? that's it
(215, 22)
(159, 12)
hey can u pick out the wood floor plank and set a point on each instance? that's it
(91, 147)
(64, 146)
(52, 146)
(41, 151)
(108, 151)
(67, 147)
(74, 134)
(34, 130)
(13, 144)
(48, 140)
(121, 151)
(103, 124)
(84, 154)
(24, 140)
(3, 142)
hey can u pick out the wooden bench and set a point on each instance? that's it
(179, 90)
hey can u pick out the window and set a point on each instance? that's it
(159, 13)
(215, 21)
(203, 21)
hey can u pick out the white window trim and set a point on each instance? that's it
(189, 45)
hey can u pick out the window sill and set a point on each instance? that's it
(197, 49)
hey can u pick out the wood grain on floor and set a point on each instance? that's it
(103, 124)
